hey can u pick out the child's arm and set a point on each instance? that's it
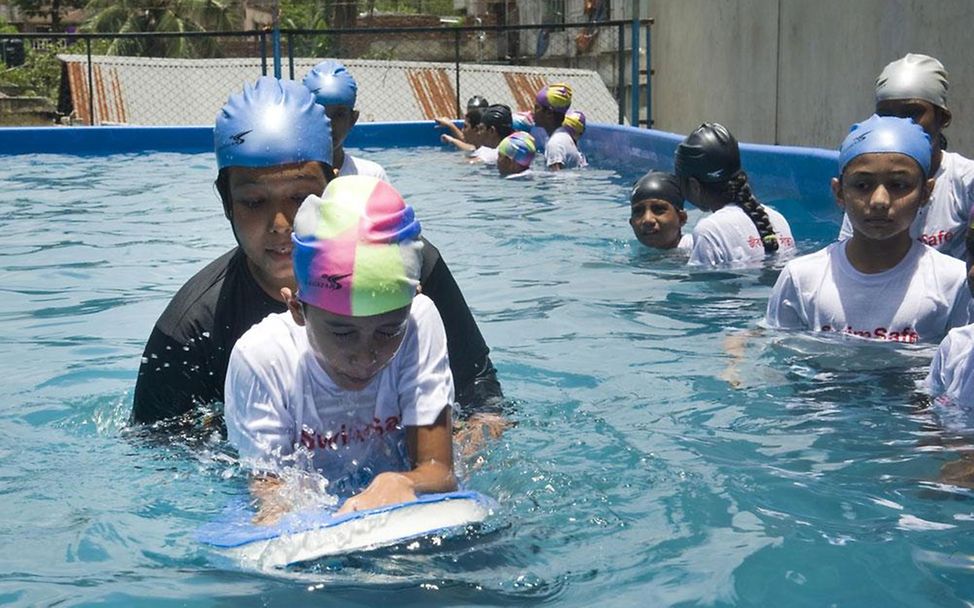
(448, 123)
(431, 450)
(271, 502)
(459, 143)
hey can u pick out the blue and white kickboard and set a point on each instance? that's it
(306, 536)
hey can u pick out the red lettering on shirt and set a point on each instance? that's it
(937, 238)
(905, 335)
(754, 242)
(312, 439)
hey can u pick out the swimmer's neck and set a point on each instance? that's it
(935, 160)
(871, 256)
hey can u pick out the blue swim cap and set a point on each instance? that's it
(331, 84)
(886, 134)
(273, 122)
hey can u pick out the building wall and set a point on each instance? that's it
(797, 72)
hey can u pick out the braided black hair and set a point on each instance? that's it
(738, 191)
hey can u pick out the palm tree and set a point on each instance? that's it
(123, 16)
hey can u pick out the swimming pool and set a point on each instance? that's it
(636, 475)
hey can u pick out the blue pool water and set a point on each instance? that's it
(637, 475)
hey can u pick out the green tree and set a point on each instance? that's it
(124, 16)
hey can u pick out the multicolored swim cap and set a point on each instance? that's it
(272, 122)
(519, 147)
(658, 184)
(356, 251)
(557, 97)
(914, 76)
(332, 84)
(522, 121)
(709, 154)
(879, 134)
(575, 122)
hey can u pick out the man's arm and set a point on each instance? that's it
(474, 376)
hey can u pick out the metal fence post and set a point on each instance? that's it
(263, 54)
(276, 38)
(649, 75)
(456, 61)
(621, 75)
(634, 73)
(91, 86)
(290, 56)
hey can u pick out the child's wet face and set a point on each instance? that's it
(547, 119)
(881, 193)
(469, 131)
(928, 116)
(488, 136)
(264, 203)
(657, 223)
(343, 118)
(507, 166)
(353, 350)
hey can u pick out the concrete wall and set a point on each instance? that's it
(799, 72)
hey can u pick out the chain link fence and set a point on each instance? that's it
(403, 73)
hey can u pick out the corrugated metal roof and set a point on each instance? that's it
(148, 91)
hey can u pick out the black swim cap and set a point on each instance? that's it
(658, 184)
(499, 117)
(709, 154)
(476, 102)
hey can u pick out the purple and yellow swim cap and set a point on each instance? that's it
(557, 97)
(519, 147)
(574, 122)
(356, 251)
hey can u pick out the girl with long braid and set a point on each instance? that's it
(741, 230)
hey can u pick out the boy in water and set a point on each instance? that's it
(915, 87)
(274, 148)
(879, 284)
(335, 89)
(551, 105)
(495, 125)
(467, 139)
(656, 215)
(353, 381)
(515, 154)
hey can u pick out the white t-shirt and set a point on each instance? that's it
(686, 243)
(951, 376)
(279, 399)
(942, 223)
(729, 237)
(918, 300)
(360, 166)
(561, 149)
(485, 154)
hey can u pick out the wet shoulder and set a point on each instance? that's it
(196, 300)
(275, 338)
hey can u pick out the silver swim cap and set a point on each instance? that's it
(914, 77)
